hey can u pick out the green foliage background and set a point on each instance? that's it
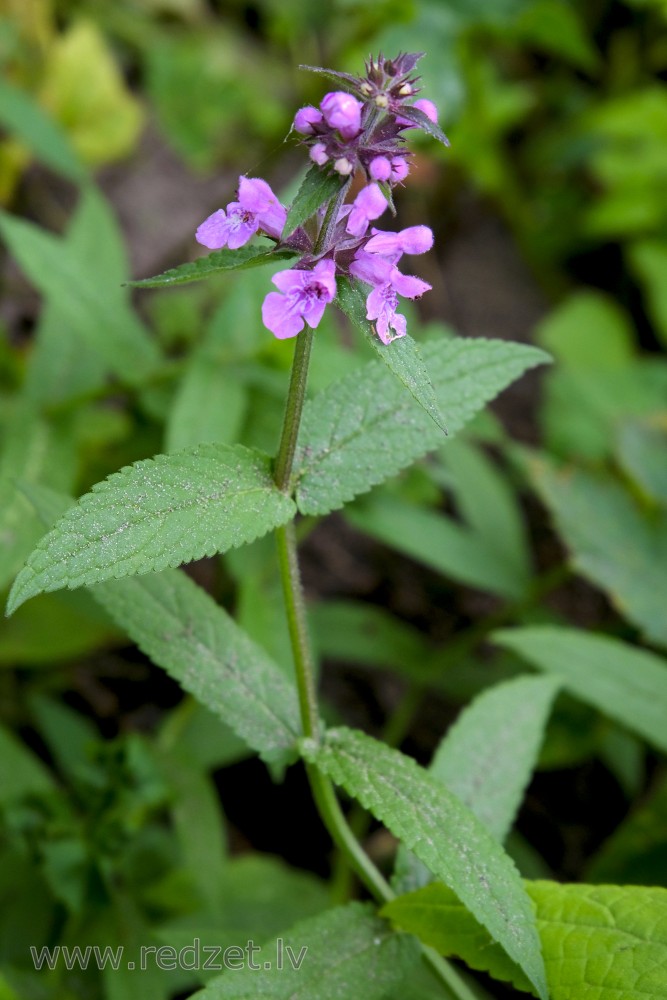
(544, 550)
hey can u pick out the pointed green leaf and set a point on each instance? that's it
(337, 954)
(437, 541)
(215, 263)
(614, 542)
(23, 117)
(89, 298)
(422, 121)
(159, 512)
(489, 775)
(190, 423)
(626, 683)
(642, 452)
(401, 356)
(365, 428)
(488, 504)
(34, 451)
(318, 186)
(441, 832)
(181, 628)
(599, 942)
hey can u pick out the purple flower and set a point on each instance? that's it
(429, 109)
(369, 204)
(413, 240)
(343, 112)
(305, 118)
(318, 154)
(305, 296)
(257, 208)
(400, 168)
(388, 283)
(380, 168)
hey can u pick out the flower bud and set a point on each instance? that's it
(380, 168)
(305, 118)
(318, 154)
(343, 112)
(428, 108)
(399, 169)
(343, 166)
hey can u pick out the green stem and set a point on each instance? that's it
(296, 397)
(298, 630)
(321, 786)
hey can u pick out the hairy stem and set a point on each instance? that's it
(322, 788)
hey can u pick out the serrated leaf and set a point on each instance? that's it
(490, 775)
(441, 832)
(338, 950)
(318, 187)
(88, 300)
(24, 118)
(183, 630)
(365, 428)
(157, 513)
(625, 683)
(422, 121)
(613, 541)
(401, 356)
(599, 942)
(215, 263)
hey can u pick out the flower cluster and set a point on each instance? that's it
(359, 131)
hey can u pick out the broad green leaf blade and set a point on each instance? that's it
(365, 633)
(437, 541)
(441, 832)
(642, 451)
(336, 954)
(177, 625)
(318, 187)
(157, 513)
(402, 356)
(613, 542)
(365, 428)
(215, 263)
(599, 942)
(208, 407)
(34, 451)
(489, 506)
(88, 298)
(21, 772)
(23, 117)
(422, 121)
(198, 824)
(62, 364)
(489, 775)
(625, 683)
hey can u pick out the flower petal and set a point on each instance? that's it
(214, 231)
